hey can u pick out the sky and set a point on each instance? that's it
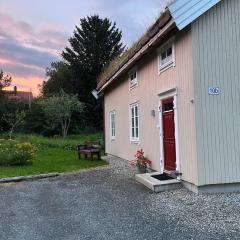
(34, 33)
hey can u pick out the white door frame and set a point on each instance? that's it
(163, 95)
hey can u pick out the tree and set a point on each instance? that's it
(59, 77)
(93, 45)
(36, 121)
(5, 80)
(13, 119)
(59, 109)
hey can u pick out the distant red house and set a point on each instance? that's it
(22, 96)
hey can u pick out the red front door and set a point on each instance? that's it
(169, 146)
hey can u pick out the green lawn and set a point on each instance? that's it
(53, 155)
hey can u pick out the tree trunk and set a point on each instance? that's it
(11, 132)
(62, 125)
(64, 129)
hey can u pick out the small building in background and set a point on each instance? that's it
(22, 96)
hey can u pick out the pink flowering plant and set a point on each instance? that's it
(140, 160)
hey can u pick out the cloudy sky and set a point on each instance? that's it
(33, 33)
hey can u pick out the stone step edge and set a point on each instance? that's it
(48, 175)
(29, 177)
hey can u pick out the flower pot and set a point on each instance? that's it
(142, 169)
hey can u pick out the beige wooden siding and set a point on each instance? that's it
(216, 52)
(151, 84)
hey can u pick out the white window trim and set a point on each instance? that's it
(172, 63)
(113, 112)
(135, 84)
(170, 93)
(134, 140)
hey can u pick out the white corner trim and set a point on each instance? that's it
(163, 95)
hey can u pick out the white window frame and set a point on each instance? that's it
(162, 49)
(133, 138)
(132, 83)
(112, 116)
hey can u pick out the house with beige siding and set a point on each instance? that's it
(175, 94)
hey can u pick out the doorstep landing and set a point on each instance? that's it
(156, 185)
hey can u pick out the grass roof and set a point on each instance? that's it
(122, 59)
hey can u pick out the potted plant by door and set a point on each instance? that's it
(141, 161)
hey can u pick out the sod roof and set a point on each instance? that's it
(113, 67)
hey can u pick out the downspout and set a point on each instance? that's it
(97, 95)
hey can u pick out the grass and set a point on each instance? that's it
(53, 155)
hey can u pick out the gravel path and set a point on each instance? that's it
(107, 204)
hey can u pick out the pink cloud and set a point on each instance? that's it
(26, 51)
(46, 39)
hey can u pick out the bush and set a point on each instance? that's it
(14, 153)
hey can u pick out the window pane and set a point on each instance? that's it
(133, 124)
(132, 112)
(169, 52)
(163, 55)
(169, 59)
(136, 132)
(136, 111)
(133, 76)
(136, 120)
(164, 61)
(168, 107)
(133, 135)
(166, 56)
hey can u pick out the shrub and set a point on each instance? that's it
(14, 153)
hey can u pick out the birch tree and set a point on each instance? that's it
(13, 119)
(59, 109)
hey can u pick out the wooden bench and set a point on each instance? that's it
(89, 148)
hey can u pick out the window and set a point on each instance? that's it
(133, 82)
(134, 122)
(166, 56)
(168, 106)
(113, 125)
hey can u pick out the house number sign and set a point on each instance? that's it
(213, 90)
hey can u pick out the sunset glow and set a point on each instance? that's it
(33, 34)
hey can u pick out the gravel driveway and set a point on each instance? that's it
(106, 203)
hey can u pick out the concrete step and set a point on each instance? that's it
(156, 185)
